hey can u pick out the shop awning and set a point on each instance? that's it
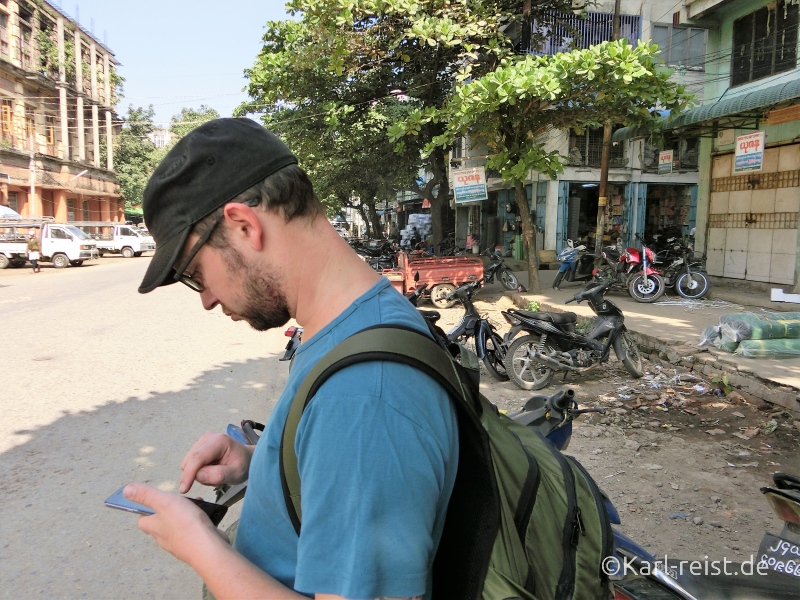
(742, 111)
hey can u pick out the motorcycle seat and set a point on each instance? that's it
(555, 318)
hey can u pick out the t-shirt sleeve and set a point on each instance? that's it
(373, 473)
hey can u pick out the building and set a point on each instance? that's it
(58, 90)
(641, 199)
(749, 127)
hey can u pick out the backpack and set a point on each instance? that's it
(524, 521)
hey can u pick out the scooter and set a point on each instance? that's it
(576, 264)
(630, 269)
(551, 344)
(489, 345)
(497, 268)
(682, 269)
(636, 574)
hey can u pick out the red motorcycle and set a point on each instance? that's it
(630, 270)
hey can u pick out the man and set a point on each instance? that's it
(236, 220)
(34, 248)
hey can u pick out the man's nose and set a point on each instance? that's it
(208, 299)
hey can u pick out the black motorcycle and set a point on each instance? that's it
(551, 343)
(489, 345)
(497, 268)
(681, 268)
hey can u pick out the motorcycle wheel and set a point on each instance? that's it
(646, 293)
(439, 295)
(558, 279)
(692, 285)
(508, 279)
(628, 352)
(495, 357)
(523, 371)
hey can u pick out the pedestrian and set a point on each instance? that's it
(34, 250)
(393, 231)
(228, 207)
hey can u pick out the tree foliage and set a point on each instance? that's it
(189, 118)
(325, 70)
(135, 154)
(510, 110)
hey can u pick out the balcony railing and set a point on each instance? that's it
(573, 32)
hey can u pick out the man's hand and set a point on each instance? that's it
(179, 526)
(215, 459)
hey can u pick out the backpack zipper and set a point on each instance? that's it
(606, 534)
(572, 527)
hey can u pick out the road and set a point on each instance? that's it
(101, 386)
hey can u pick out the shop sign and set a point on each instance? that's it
(749, 154)
(469, 185)
(380, 206)
(665, 162)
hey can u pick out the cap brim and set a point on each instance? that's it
(161, 270)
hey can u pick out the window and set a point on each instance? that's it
(59, 234)
(6, 115)
(50, 127)
(586, 149)
(13, 201)
(765, 42)
(87, 214)
(681, 46)
(30, 125)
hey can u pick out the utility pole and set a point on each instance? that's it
(602, 201)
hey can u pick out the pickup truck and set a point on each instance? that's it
(439, 275)
(62, 243)
(118, 238)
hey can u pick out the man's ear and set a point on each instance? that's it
(244, 224)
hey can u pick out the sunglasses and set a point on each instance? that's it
(180, 272)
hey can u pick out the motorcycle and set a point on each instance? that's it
(497, 268)
(382, 257)
(630, 270)
(685, 271)
(489, 346)
(576, 264)
(551, 344)
(635, 573)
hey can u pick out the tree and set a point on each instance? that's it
(341, 55)
(135, 154)
(334, 122)
(189, 118)
(510, 109)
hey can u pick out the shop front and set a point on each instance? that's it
(577, 213)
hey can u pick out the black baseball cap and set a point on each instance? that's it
(208, 167)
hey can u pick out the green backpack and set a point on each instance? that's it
(524, 521)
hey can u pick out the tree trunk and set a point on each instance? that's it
(528, 237)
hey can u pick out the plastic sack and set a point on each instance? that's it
(783, 348)
(754, 326)
(710, 334)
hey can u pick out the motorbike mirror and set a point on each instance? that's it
(416, 275)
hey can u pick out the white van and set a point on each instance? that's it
(118, 238)
(62, 244)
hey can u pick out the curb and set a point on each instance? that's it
(686, 358)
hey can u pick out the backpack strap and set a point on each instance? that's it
(381, 343)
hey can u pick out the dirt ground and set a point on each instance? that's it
(682, 465)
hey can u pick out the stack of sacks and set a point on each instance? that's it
(756, 335)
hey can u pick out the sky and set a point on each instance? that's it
(178, 53)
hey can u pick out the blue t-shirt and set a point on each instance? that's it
(377, 452)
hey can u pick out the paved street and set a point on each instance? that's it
(101, 386)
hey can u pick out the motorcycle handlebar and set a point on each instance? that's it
(562, 399)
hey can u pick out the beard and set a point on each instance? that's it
(265, 306)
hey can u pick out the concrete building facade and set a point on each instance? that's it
(747, 217)
(58, 90)
(641, 200)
